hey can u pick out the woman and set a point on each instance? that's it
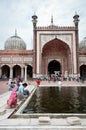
(12, 101)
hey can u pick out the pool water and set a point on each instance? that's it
(57, 100)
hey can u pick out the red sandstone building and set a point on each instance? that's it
(56, 49)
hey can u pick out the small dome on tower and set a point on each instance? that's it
(83, 44)
(15, 43)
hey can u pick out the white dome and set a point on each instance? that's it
(15, 43)
(83, 44)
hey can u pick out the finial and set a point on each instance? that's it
(15, 32)
(34, 16)
(34, 13)
(76, 16)
(51, 20)
(75, 13)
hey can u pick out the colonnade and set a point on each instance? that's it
(23, 72)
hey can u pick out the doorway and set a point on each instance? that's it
(54, 66)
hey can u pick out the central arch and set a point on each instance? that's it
(58, 50)
(54, 66)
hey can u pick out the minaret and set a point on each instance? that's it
(15, 32)
(34, 20)
(76, 19)
(52, 20)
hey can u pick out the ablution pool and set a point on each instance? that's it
(55, 100)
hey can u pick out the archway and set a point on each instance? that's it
(16, 71)
(83, 71)
(29, 71)
(5, 71)
(59, 50)
(54, 66)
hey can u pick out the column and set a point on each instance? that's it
(22, 72)
(11, 73)
(0, 72)
(25, 73)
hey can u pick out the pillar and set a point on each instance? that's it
(0, 72)
(25, 73)
(22, 72)
(11, 72)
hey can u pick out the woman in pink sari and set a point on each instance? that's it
(12, 101)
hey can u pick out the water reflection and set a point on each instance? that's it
(51, 100)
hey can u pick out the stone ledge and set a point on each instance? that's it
(74, 120)
(44, 119)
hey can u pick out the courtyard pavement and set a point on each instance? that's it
(41, 123)
(4, 84)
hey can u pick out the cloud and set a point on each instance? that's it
(17, 14)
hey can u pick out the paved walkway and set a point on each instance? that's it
(4, 84)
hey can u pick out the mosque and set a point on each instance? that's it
(55, 49)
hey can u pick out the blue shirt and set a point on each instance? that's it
(21, 89)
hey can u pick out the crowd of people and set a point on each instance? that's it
(59, 77)
(18, 91)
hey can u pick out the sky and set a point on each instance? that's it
(17, 14)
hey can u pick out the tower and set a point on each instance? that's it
(34, 21)
(76, 21)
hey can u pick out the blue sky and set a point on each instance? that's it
(16, 14)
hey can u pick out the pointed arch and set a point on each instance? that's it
(56, 46)
(54, 66)
(16, 71)
(5, 71)
(83, 70)
(58, 50)
(29, 71)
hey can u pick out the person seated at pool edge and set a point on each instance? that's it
(22, 92)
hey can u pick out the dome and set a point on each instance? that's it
(15, 43)
(83, 44)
